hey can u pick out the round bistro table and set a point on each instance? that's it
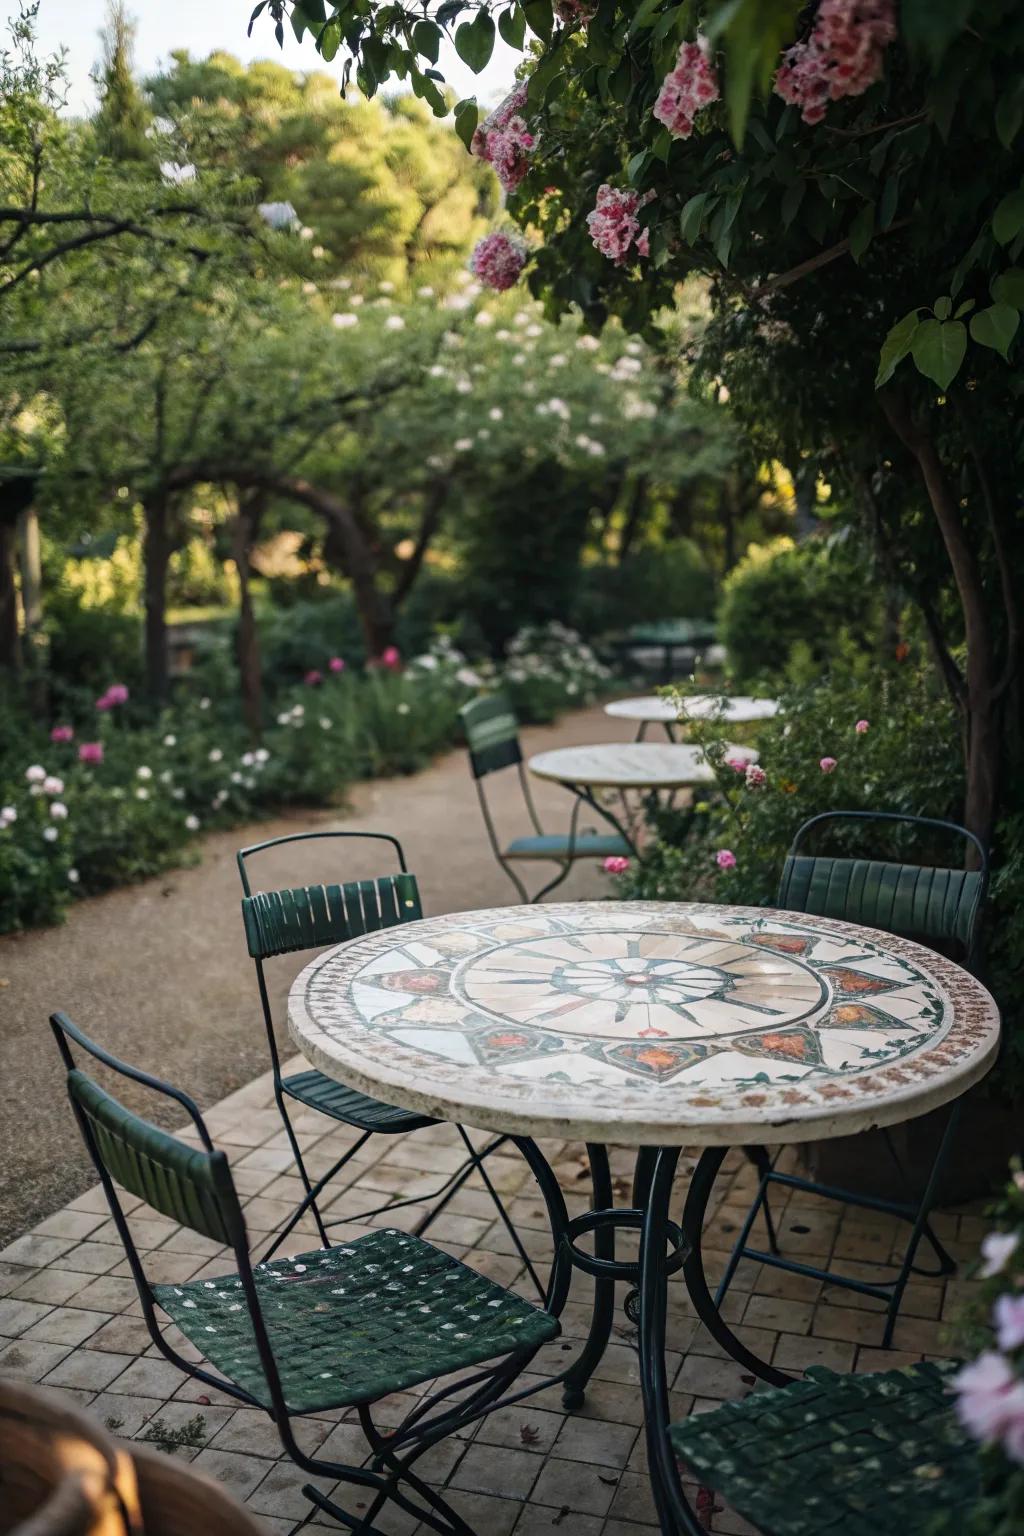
(654, 710)
(653, 1026)
(644, 766)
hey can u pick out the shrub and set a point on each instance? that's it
(666, 581)
(548, 667)
(782, 597)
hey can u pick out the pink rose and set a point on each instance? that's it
(62, 733)
(828, 765)
(498, 261)
(862, 726)
(737, 764)
(390, 658)
(90, 752)
(616, 864)
(336, 664)
(313, 678)
(117, 693)
(725, 858)
(755, 776)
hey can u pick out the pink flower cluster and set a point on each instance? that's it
(569, 12)
(990, 1402)
(692, 84)
(828, 764)
(844, 55)
(616, 864)
(498, 261)
(725, 858)
(504, 140)
(115, 695)
(336, 664)
(62, 733)
(614, 226)
(90, 752)
(390, 659)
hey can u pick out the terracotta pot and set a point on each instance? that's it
(988, 1136)
(62, 1474)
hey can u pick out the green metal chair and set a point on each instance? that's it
(866, 1455)
(336, 1328)
(937, 905)
(289, 921)
(492, 735)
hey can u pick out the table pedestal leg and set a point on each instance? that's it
(604, 1288)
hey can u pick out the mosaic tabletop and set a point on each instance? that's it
(646, 1023)
(630, 765)
(655, 710)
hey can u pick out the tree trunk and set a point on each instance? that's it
(636, 506)
(981, 699)
(10, 639)
(31, 570)
(156, 558)
(246, 531)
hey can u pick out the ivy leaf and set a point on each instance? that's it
(1008, 287)
(467, 115)
(474, 41)
(896, 346)
(512, 26)
(426, 39)
(938, 349)
(1008, 219)
(995, 327)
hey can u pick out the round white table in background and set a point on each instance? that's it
(654, 710)
(630, 765)
(655, 1026)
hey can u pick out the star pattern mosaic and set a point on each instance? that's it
(698, 1006)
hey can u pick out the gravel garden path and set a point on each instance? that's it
(159, 972)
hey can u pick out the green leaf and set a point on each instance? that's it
(896, 346)
(1010, 115)
(636, 164)
(539, 18)
(467, 116)
(861, 231)
(643, 16)
(474, 41)
(690, 217)
(888, 202)
(938, 349)
(1008, 219)
(427, 91)
(1008, 287)
(943, 308)
(929, 26)
(791, 200)
(964, 309)
(512, 26)
(329, 40)
(426, 39)
(995, 327)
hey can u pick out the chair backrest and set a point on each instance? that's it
(492, 734)
(190, 1185)
(937, 904)
(309, 916)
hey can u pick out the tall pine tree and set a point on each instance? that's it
(122, 119)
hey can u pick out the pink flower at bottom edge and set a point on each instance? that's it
(616, 864)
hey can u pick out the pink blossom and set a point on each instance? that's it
(336, 664)
(828, 764)
(498, 260)
(62, 733)
(390, 658)
(313, 678)
(90, 752)
(725, 858)
(504, 140)
(613, 223)
(737, 764)
(843, 56)
(862, 726)
(990, 1402)
(116, 694)
(692, 84)
(1009, 1321)
(569, 12)
(616, 864)
(755, 776)
(997, 1249)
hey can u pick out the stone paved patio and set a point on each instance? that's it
(70, 1319)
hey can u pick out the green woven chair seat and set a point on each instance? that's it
(861, 1455)
(366, 1114)
(354, 1323)
(587, 845)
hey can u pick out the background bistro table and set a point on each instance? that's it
(652, 709)
(654, 1026)
(643, 766)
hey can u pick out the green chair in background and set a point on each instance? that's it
(938, 905)
(865, 1455)
(492, 735)
(337, 1328)
(285, 922)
